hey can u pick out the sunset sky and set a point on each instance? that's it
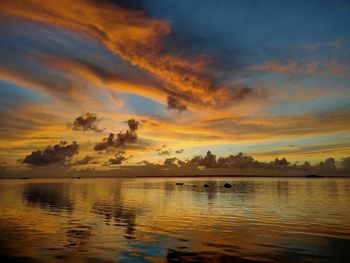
(266, 78)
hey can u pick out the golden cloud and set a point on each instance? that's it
(130, 35)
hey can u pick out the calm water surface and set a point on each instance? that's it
(154, 220)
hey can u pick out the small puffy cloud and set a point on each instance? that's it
(86, 122)
(133, 124)
(121, 139)
(86, 160)
(106, 143)
(164, 150)
(116, 141)
(170, 161)
(179, 151)
(119, 158)
(57, 154)
(164, 146)
(126, 137)
(175, 104)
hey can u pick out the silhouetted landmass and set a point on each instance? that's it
(242, 161)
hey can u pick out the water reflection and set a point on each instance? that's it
(78, 236)
(155, 220)
(184, 256)
(53, 197)
(121, 216)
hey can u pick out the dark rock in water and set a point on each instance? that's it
(179, 183)
(313, 176)
(206, 185)
(227, 185)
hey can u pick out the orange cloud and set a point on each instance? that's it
(336, 69)
(288, 67)
(303, 67)
(102, 78)
(132, 36)
(265, 128)
(307, 151)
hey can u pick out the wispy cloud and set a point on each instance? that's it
(132, 36)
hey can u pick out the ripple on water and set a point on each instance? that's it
(140, 220)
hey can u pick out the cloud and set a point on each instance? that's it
(175, 104)
(336, 69)
(164, 150)
(119, 158)
(86, 122)
(287, 67)
(170, 161)
(138, 40)
(56, 154)
(279, 126)
(121, 139)
(106, 143)
(86, 160)
(133, 124)
(179, 151)
(291, 67)
(135, 37)
(307, 150)
(32, 126)
(126, 78)
(281, 68)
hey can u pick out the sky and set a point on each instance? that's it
(173, 79)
